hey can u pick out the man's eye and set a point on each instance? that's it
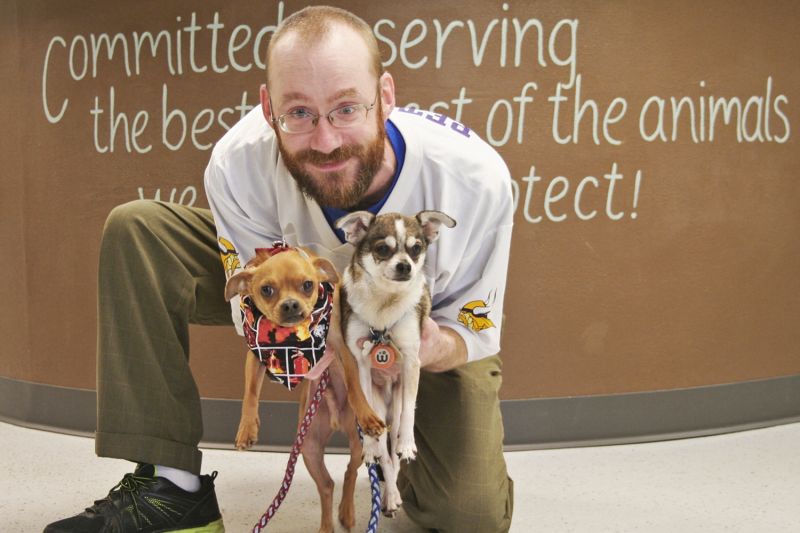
(267, 291)
(300, 114)
(346, 110)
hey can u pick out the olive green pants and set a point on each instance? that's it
(160, 271)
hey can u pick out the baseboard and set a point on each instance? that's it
(529, 424)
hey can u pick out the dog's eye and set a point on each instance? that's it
(308, 286)
(267, 291)
(382, 249)
(416, 250)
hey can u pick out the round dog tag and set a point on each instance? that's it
(382, 356)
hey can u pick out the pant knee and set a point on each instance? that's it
(125, 218)
(132, 247)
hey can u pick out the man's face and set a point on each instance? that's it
(339, 178)
(334, 166)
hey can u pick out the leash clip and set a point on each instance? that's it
(379, 336)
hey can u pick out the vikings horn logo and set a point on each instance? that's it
(475, 314)
(230, 258)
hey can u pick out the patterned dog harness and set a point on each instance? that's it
(289, 353)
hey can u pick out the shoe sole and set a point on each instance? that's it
(213, 527)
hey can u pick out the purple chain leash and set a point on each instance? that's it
(324, 382)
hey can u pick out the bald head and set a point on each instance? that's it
(313, 25)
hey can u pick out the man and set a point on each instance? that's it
(327, 140)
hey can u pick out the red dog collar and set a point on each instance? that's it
(277, 247)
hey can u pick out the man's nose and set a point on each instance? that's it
(325, 138)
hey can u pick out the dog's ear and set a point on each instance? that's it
(238, 283)
(431, 221)
(355, 225)
(327, 269)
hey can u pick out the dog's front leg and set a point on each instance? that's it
(391, 466)
(254, 372)
(371, 424)
(375, 449)
(359, 394)
(374, 446)
(365, 378)
(409, 378)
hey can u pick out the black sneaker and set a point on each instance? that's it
(143, 503)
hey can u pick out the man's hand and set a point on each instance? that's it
(441, 348)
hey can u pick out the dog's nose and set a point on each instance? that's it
(403, 268)
(290, 307)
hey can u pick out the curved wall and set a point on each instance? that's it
(653, 150)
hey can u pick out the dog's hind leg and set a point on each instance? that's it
(333, 410)
(314, 458)
(347, 507)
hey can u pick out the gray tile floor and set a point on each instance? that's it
(740, 482)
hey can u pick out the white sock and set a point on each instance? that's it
(185, 480)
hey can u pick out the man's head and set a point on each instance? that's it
(323, 67)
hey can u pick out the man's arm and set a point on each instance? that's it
(442, 348)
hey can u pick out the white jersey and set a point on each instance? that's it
(447, 167)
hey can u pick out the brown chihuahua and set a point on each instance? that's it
(285, 287)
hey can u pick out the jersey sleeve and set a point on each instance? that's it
(239, 232)
(469, 297)
(473, 303)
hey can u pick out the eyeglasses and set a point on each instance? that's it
(304, 121)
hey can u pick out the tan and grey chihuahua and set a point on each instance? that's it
(384, 302)
(284, 287)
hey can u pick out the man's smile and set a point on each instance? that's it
(330, 166)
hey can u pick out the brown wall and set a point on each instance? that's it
(14, 353)
(683, 276)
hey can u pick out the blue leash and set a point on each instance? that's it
(374, 482)
(372, 526)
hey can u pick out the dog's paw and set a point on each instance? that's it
(391, 501)
(371, 450)
(247, 435)
(245, 442)
(406, 449)
(372, 425)
(347, 514)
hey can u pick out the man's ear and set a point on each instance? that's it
(431, 221)
(238, 283)
(266, 108)
(386, 83)
(355, 225)
(327, 269)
